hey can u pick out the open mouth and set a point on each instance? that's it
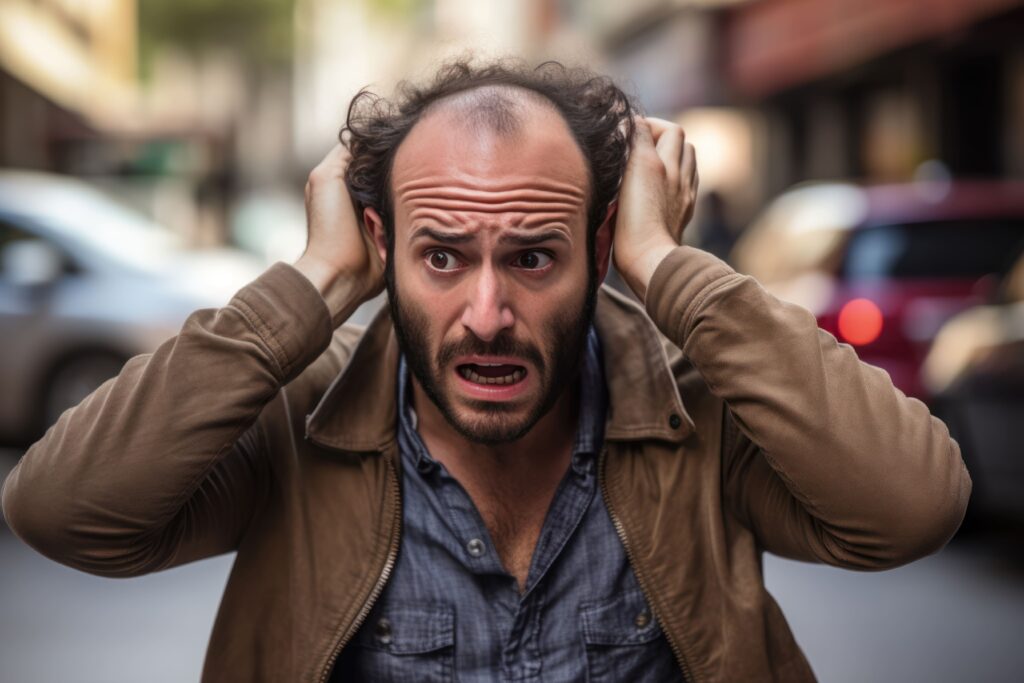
(497, 373)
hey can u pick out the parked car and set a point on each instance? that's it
(85, 284)
(883, 267)
(975, 371)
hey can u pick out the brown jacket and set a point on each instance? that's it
(740, 428)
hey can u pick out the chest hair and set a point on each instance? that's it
(514, 532)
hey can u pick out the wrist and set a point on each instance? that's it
(341, 291)
(642, 266)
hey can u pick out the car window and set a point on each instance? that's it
(940, 249)
(11, 234)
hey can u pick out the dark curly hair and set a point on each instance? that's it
(598, 113)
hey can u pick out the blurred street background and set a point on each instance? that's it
(861, 158)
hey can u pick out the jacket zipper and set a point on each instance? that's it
(641, 578)
(385, 574)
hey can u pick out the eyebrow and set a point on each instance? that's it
(531, 238)
(439, 236)
(519, 239)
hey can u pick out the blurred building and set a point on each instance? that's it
(669, 54)
(67, 70)
(170, 141)
(873, 89)
(342, 47)
(775, 92)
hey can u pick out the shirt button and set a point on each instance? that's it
(674, 421)
(475, 547)
(382, 631)
(642, 620)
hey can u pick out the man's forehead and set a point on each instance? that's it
(447, 152)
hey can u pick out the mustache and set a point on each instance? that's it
(502, 345)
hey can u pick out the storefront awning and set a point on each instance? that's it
(772, 45)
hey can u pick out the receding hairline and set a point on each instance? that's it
(499, 109)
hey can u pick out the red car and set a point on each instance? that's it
(883, 267)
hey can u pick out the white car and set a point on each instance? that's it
(85, 284)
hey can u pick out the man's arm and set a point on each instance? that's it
(165, 463)
(826, 459)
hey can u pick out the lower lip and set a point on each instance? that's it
(493, 392)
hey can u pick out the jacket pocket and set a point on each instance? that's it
(405, 643)
(624, 642)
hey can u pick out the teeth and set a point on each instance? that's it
(468, 373)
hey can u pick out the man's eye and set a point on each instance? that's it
(442, 260)
(533, 260)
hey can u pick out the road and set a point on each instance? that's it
(956, 616)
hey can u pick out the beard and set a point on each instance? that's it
(494, 422)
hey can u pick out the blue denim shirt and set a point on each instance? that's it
(450, 611)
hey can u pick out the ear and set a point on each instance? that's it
(603, 239)
(375, 225)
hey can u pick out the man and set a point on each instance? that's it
(508, 475)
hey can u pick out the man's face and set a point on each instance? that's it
(490, 283)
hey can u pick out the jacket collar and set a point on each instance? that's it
(358, 412)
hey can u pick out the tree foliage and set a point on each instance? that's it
(260, 31)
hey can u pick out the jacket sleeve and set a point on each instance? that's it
(827, 460)
(165, 463)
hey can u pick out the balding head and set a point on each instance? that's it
(498, 109)
(495, 97)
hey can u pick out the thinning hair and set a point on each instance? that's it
(492, 95)
(493, 108)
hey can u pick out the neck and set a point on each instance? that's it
(537, 458)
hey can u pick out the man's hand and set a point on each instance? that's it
(656, 200)
(340, 258)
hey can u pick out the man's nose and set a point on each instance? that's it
(487, 312)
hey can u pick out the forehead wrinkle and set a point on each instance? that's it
(491, 201)
(475, 223)
(506, 207)
(433, 199)
(468, 186)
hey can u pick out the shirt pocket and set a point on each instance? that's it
(624, 642)
(408, 642)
